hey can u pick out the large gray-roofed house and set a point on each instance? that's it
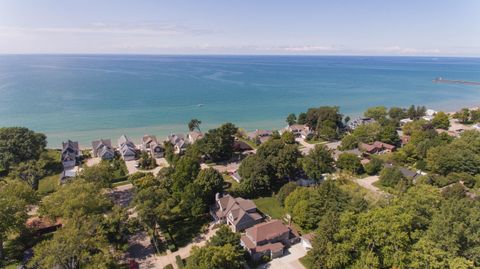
(127, 148)
(103, 148)
(70, 153)
(238, 213)
(178, 142)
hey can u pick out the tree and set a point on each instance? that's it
(326, 120)
(396, 113)
(79, 244)
(146, 161)
(451, 158)
(208, 257)
(225, 236)
(284, 191)
(302, 118)
(30, 172)
(186, 170)
(291, 119)
(317, 162)
(218, 143)
(209, 181)
(350, 162)
(78, 198)
(14, 198)
(256, 176)
(374, 166)
(441, 121)
(391, 176)
(288, 138)
(102, 174)
(463, 115)
(377, 113)
(194, 124)
(18, 144)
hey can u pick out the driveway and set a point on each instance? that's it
(93, 161)
(367, 183)
(132, 169)
(289, 260)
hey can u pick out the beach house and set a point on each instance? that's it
(70, 154)
(103, 149)
(299, 130)
(193, 136)
(127, 148)
(260, 136)
(353, 124)
(151, 145)
(238, 213)
(178, 142)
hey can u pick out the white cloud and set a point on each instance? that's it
(146, 29)
(300, 48)
(408, 51)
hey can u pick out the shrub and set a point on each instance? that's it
(179, 261)
(374, 166)
(390, 177)
(168, 267)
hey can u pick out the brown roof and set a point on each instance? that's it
(275, 247)
(308, 237)
(267, 230)
(239, 207)
(41, 223)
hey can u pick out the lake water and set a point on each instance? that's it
(86, 97)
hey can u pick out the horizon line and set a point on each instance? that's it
(236, 55)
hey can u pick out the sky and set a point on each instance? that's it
(311, 27)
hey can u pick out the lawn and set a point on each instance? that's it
(270, 206)
(230, 183)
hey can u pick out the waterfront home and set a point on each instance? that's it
(151, 145)
(353, 124)
(127, 148)
(103, 149)
(260, 136)
(429, 115)
(68, 174)
(238, 213)
(405, 121)
(70, 154)
(376, 147)
(268, 239)
(178, 142)
(299, 130)
(240, 146)
(193, 136)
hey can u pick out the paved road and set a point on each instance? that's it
(289, 260)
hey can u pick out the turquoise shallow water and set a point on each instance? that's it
(85, 97)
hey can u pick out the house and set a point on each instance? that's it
(376, 147)
(260, 136)
(429, 115)
(67, 174)
(103, 149)
(407, 173)
(299, 130)
(240, 146)
(268, 239)
(151, 145)
(70, 154)
(353, 124)
(306, 241)
(42, 225)
(192, 137)
(127, 148)
(238, 213)
(355, 151)
(405, 121)
(178, 142)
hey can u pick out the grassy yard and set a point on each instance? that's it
(250, 143)
(270, 206)
(230, 183)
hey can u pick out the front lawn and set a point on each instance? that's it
(270, 206)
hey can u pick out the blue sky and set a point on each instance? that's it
(336, 27)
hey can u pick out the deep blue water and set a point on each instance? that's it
(85, 97)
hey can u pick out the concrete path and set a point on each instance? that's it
(161, 162)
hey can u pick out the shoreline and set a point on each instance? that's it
(162, 131)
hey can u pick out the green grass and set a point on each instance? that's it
(314, 142)
(305, 262)
(270, 206)
(11, 266)
(230, 183)
(121, 183)
(250, 143)
(49, 184)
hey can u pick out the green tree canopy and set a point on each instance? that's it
(318, 161)
(350, 162)
(378, 113)
(217, 143)
(291, 119)
(441, 120)
(215, 257)
(209, 182)
(18, 144)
